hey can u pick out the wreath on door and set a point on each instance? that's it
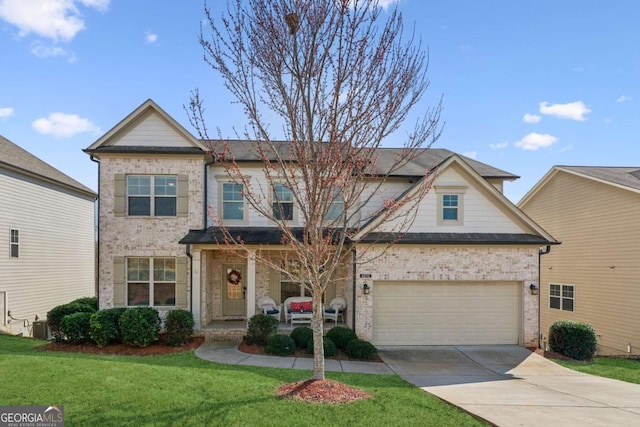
(234, 277)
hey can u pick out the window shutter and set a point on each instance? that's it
(119, 197)
(118, 281)
(181, 282)
(182, 202)
(274, 285)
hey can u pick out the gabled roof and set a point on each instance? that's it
(18, 160)
(105, 143)
(627, 178)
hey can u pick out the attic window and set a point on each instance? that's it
(450, 205)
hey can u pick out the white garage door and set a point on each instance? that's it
(427, 313)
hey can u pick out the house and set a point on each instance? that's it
(462, 275)
(594, 275)
(47, 229)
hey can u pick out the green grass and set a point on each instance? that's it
(619, 369)
(182, 390)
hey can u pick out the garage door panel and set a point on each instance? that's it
(430, 313)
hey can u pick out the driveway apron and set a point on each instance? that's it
(511, 386)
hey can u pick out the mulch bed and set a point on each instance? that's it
(340, 355)
(550, 354)
(155, 349)
(321, 391)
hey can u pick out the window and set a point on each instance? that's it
(151, 281)
(561, 297)
(450, 204)
(291, 288)
(152, 195)
(14, 243)
(232, 202)
(282, 202)
(336, 207)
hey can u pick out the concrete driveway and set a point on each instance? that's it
(510, 386)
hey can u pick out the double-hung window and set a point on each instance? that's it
(450, 204)
(14, 243)
(336, 206)
(232, 202)
(152, 195)
(282, 202)
(151, 281)
(561, 297)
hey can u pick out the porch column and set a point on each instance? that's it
(251, 283)
(196, 287)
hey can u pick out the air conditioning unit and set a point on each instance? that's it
(40, 329)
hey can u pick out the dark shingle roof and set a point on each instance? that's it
(625, 176)
(15, 158)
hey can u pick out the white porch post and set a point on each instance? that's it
(196, 287)
(251, 283)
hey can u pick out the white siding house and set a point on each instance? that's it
(47, 235)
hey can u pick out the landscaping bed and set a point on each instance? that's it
(340, 355)
(158, 347)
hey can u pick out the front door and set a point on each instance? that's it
(234, 290)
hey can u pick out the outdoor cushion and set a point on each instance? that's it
(307, 305)
(296, 306)
(273, 311)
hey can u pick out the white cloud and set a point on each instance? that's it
(386, 3)
(58, 20)
(471, 154)
(43, 51)
(64, 125)
(572, 110)
(150, 37)
(623, 98)
(535, 141)
(531, 118)
(499, 145)
(6, 112)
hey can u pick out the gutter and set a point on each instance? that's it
(353, 303)
(540, 254)
(97, 259)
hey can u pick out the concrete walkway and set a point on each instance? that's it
(510, 386)
(227, 352)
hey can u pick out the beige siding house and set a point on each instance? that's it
(47, 229)
(464, 279)
(594, 276)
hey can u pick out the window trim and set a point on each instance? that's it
(294, 210)
(14, 244)
(337, 200)
(450, 190)
(562, 298)
(151, 281)
(245, 214)
(152, 196)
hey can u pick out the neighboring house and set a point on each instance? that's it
(47, 229)
(594, 276)
(462, 275)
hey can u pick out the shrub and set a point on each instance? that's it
(57, 313)
(104, 326)
(280, 344)
(75, 327)
(140, 326)
(341, 336)
(260, 327)
(90, 301)
(361, 350)
(179, 327)
(328, 345)
(573, 339)
(301, 335)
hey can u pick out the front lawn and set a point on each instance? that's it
(180, 389)
(619, 369)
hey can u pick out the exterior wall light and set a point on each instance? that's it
(365, 289)
(534, 289)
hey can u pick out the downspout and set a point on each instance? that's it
(188, 252)
(353, 304)
(96, 261)
(540, 253)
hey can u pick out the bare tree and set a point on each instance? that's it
(340, 79)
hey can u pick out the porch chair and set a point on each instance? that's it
(298, 310)
(335, 309)
(268, 306)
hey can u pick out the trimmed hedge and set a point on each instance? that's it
(341, 336)
(328, 345)
(57, 313)
(301, 335)
(90, 301)
(140, 326)
(75, 327)
(104, 326)
(179, 327)
(573, 339)
(260, 327)
(361, 350)
(280, 344)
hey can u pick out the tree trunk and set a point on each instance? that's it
(318, 340)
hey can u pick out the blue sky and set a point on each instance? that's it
(526, 84)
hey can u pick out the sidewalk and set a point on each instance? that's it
(227, 352)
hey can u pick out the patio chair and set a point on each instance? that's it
(268, 306)
(300, 312)
(335, 309)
